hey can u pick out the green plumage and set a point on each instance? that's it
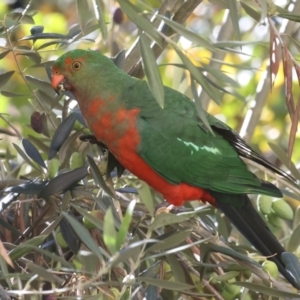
(175, 143)
(174, 140)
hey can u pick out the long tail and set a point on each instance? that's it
(247, 220)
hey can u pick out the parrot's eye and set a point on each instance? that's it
(76, 65)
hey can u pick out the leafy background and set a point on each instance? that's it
(112, 238)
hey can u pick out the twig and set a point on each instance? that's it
(253, 114)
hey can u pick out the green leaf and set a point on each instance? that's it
(226, 276)
(43, 273)
(47, 35)
(188, 34)
(218, 74)
(232, 253)
(151, 70)
(84, 235)
(165, 284)
(282, 156)
(98, 223)
(4, 78)
(53, 256)
(109, 231)
(131, 251)
(33, 153)
(170, 241)
(19, 17)
(12, 94)
(63, 182)
(68, 234)
(98, 177)
(25, 157)
(61, 134)
(41, 84)
(233, 10)
(233, 44)
(251, 11)
(134, 15)
(202, 114)
(180, 248)
(123, 230)
(165, 219)
(176, 267)
(4, 53)
(266, 290)
(198, 76)
(25, 247)
(83, 13)
(145, 195)
(292, 17)
(100, 17)
(35, 57)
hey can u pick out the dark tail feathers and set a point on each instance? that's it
(247, 220)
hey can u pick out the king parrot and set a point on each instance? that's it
(170, 148)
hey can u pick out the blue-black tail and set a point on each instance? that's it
(247, 220)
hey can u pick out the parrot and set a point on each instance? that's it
(170, 148)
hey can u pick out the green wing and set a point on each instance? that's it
(177, 145)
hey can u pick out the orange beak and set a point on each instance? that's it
(57, 81)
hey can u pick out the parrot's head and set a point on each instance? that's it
(77, 70)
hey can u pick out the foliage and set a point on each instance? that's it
(69, 228)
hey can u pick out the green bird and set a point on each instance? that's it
(170, 149)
